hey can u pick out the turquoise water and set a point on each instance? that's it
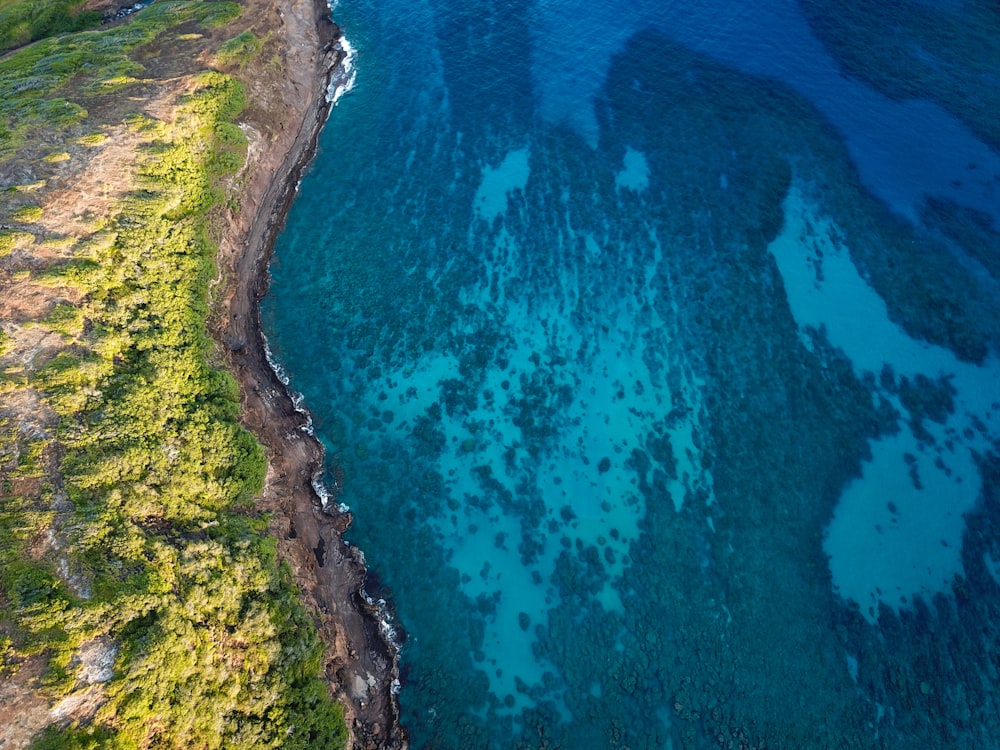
(660, 359)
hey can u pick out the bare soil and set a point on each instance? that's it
(23, 712)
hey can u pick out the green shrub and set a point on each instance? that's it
(27, 214)
(139, 122)
(230, 135)
(92, 139)
(65, 319)
(220, 13)
(239, 50)
(30, 187)
(225, 162)
(24, 21)
(11, 239)
(29, 586)
(73, 738)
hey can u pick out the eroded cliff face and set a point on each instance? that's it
(65, 180)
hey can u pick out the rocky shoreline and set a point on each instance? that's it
(362, 660)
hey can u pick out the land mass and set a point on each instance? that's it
(72, 156)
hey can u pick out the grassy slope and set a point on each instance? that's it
(24, 21)
(128, 522)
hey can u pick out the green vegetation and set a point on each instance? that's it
(24, 21)
(38, 76)
(239, 50)
(92, 139)
(30, 187)
(162, 553)
(58, 243)
(27, 214)
(10, 239)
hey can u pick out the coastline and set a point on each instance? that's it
(361, 660)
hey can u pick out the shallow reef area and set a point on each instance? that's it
(605, 390)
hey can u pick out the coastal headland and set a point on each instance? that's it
(158, 568)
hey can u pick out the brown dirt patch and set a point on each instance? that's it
(23, 710)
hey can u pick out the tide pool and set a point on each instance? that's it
(664, 411)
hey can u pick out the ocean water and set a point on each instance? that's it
(660, 357)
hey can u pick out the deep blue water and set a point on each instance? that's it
(660, 357)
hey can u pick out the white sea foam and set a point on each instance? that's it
(275, 366)
(298, 400)
(298, 403)
(325, 498)
(343, 76)
(385, 626)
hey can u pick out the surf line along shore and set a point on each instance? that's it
(361, 662)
